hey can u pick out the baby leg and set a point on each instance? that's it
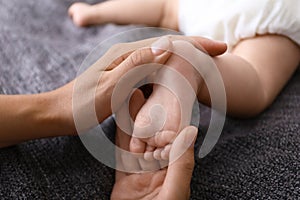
(253, 75)
(148, 12)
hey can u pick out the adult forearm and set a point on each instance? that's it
(26, 117)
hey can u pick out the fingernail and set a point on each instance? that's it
(190, 136)
(161, 45)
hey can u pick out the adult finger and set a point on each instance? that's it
(212, 47)
(209, 46)
(158, 53)
(138, 65)
(179, 174)
(125, 160)
(136, 103)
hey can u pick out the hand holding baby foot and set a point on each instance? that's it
(168, 108)
(168, 183)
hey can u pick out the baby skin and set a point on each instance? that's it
(161, 114)
(121, 12)
(253, 71)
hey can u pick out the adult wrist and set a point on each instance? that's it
(59, 112)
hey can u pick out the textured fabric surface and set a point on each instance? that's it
(41, 50)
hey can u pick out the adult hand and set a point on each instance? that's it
(168, 183)
(51, 114)
(94, 88)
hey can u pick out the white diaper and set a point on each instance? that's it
(233, 20)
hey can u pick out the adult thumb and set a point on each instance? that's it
(137, 66)
(179, 173)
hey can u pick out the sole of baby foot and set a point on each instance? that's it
(162, 138)
(161, 111)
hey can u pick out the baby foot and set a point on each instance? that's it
(168, 108)
(160, 112)
(80, 13)
(163, 142)
(158, 123)
(126, 161)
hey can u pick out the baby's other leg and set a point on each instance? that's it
(147, 12)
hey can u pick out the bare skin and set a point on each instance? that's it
(172, 182)
(27, 117)
(50, 114)
(168, 183)
(84, 14)
(254, 72)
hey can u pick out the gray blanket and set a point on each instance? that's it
(41, 49)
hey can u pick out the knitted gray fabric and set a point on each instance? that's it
(41, 50)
